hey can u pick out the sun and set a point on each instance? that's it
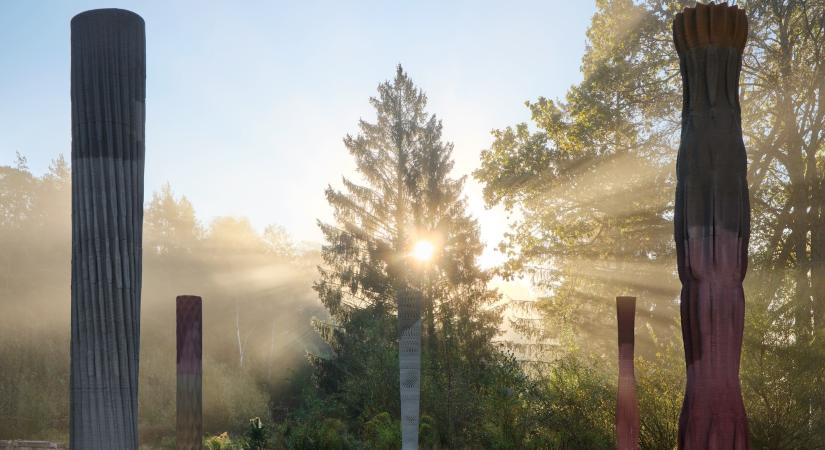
(423, 251)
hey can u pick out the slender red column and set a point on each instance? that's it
(712, 225)
(627, 406)
(189, 393)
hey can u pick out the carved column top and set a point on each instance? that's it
(710, 25)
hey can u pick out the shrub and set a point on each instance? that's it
(382, 432)
(221, 442)
(257, 435)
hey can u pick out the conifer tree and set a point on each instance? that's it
(406, 195)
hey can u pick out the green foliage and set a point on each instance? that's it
(660, 384)
(427, 433)
(407, 194)
(327, 433)
(590, 185)
(382, 432)
(256, 436)
(580, 405)
(221, 442)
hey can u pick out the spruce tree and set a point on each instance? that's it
(405, 195)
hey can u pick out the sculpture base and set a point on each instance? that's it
(713, 314)
(712, 432)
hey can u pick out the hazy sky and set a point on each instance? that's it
(248, 102)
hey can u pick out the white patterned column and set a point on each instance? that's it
(409, 364)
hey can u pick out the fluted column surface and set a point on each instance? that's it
(108, 72)
(712, 225)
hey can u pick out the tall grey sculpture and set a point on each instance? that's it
(108, 89)
(712, 225)
(409, 364)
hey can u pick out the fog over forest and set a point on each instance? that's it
(258, 307)
(302, 341)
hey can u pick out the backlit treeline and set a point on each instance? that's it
(255, 284)
(593, 180)
(590, 183)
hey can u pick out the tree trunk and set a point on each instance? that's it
(108, 89)
(190, 366)
(712, 225)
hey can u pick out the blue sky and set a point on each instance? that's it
(248, 102)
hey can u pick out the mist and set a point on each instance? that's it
(258, 309)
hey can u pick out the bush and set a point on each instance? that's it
(382, 432)
(329, 434)
(257, 435)
(221, 442)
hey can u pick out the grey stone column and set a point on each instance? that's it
(108, 89)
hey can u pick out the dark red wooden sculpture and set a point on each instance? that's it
(627, 406)
(189, 391)
(712, 225)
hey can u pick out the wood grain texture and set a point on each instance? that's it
(108, 79)
(712, 225)
(627, 405)
(189, 368)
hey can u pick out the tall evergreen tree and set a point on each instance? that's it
(406, 196)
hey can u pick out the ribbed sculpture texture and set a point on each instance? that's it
(189, 360)
(712, 225)
(409, 363)
(108, 79)
(627, 406)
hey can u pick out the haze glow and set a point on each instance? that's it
(247, 106)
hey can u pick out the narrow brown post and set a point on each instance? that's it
(627, 406)
(189, 398)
